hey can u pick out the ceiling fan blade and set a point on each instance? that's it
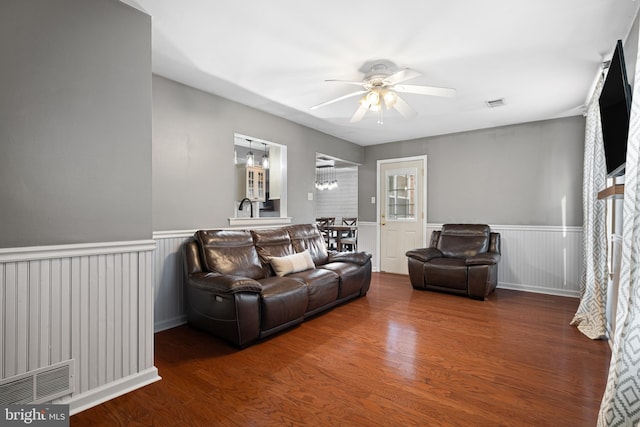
(359, 114)
(402, 75)
(426, 90)
(360, 92)
(404, 108)
(348, 82)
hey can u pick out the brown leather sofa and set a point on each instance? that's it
(461, 259)
(234, 293)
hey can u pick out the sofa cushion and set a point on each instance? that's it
(351, 277)
(229, 252)
(291, 263)
(463, 240)
(323, 286)
(307, 236)
(272, 243)
(283, 300)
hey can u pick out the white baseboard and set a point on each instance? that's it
(169, 323)
(110, 391)
(539, 290)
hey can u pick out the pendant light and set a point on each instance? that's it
(265, 157)
(326, 178)
(250, 159)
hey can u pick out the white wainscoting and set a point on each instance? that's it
(543, 259)
(92, 303)
(169, 310)
(368, 241)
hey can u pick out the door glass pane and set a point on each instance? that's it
(401, 194)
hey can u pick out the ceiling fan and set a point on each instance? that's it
(381, 86)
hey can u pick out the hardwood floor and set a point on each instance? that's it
(398, 357)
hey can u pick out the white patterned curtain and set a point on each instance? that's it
(590, 316)
(621, 400)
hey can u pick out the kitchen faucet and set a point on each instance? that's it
(246, 199)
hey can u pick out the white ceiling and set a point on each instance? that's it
(541, 56)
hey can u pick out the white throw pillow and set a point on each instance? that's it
(292, 263)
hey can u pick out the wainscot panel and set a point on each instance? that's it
(368, 241)
(169, 310)
(90, 303)
(541, 259)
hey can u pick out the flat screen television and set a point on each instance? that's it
(615, 108)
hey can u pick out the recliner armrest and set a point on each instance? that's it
(360, 258)
(424, 254)
(483, 259)
(223, 283)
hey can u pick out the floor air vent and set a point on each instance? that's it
(38, 386)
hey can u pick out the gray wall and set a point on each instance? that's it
(75, 122)
(526, 174)
(193, 167)
(76, 155)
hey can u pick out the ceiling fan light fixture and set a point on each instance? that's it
(371, 101)
(373, 98)
(365, 103)
(390, 98)
(382, 85)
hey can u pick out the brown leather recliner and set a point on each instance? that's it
(461, 259)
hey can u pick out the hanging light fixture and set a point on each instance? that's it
(326, 178)
(265, 157)
(334, 182)
(250, 158)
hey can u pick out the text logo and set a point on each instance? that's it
(35, 415)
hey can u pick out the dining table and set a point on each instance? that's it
(340, 231)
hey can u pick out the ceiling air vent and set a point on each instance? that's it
(495, 103)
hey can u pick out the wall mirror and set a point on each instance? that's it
(260, 180)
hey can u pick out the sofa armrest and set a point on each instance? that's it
(424, 254)
(223, 283)
(483, 259)
(360, 258)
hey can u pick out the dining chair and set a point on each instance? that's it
(350, 238)
(323, 225)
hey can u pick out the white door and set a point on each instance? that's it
(401, 204)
